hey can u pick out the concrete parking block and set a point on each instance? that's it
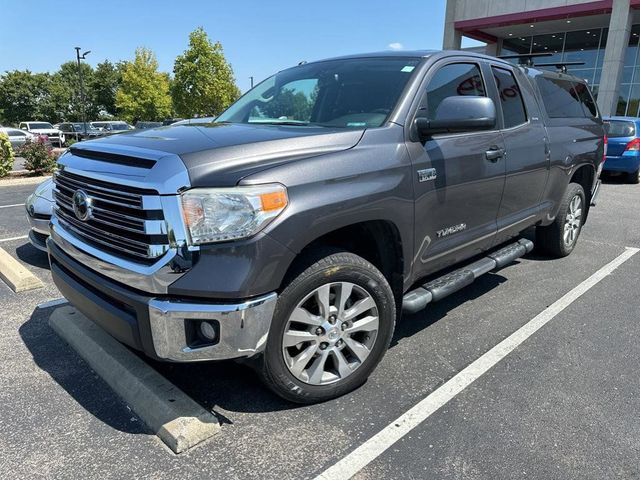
(18, 277)
(174, 417)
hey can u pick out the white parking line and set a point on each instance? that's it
(376, 445)
(14, 205)
(10, 239)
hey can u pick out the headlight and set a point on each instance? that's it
(221, 214)
(41, 190)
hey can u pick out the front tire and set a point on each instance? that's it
(332, 325)
(560, 238)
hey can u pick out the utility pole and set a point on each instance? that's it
(82, 57)
(251, 81)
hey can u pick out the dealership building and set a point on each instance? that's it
(603, 34)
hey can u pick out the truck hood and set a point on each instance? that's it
(217, 154)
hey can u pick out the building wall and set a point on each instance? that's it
(471, 9)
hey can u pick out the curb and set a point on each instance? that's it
(17, 180)
(16, 275)
(173, 416)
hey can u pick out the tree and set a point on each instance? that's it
(106, 80)
(143, 93)
(64, 101)
(203, 83)
(22, 94)
(290, 104)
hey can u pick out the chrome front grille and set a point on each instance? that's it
(125, 221)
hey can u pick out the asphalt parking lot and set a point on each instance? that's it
(562, 404)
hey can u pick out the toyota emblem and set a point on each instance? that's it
(81, 205)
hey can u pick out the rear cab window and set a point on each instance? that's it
(564, 98)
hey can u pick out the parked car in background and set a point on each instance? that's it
(76, 131)
(145, 125)
(17, 137)
(171, 121)
(623, 148)
(43, 128)
(112, 127)
(39, 207)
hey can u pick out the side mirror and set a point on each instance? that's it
(461, 113)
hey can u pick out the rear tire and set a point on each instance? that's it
(331, 327)
(560, 238)
(634, 177)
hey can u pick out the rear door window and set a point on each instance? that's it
(619, 129)
(560, 98)
(513, 110)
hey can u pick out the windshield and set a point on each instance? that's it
(119, 126)
(78, 126)
(353, 93)
(40, 125)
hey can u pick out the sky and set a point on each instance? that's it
(259, 37)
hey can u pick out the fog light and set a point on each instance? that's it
(208, 331)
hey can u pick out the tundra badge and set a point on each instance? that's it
(427, 174)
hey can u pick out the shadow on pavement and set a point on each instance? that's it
(64, 366)
(27, 253)
(227, 386)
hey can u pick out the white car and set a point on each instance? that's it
(44, 128)
(39, 207)
(17, 137)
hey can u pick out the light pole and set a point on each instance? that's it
(82, 57)
(251, 81)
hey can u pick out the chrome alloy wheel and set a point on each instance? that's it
(330, 333)
(573, 221)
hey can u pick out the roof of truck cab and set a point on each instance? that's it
(382, 54)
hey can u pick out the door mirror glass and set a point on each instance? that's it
(459, 114)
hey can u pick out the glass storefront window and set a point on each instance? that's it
(516, 45)
(582, 46)
(623, 99)
(551, 43)
(634, 101)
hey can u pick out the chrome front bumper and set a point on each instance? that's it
(163, 327)
(243, 331)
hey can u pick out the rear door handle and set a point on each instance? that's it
(494, 154)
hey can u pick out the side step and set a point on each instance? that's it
(441, 287)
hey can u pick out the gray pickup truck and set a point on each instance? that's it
(292, 232)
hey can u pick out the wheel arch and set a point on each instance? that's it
(377, 241)
(584, 175)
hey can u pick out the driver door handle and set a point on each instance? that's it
(494, 154)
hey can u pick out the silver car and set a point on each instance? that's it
(17, 137)
(39, 207)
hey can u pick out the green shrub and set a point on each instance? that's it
(38, 156)
(70, 142)
(6, 155)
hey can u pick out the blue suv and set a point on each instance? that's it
(623, 149)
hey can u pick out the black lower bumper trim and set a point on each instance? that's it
(119, 311)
